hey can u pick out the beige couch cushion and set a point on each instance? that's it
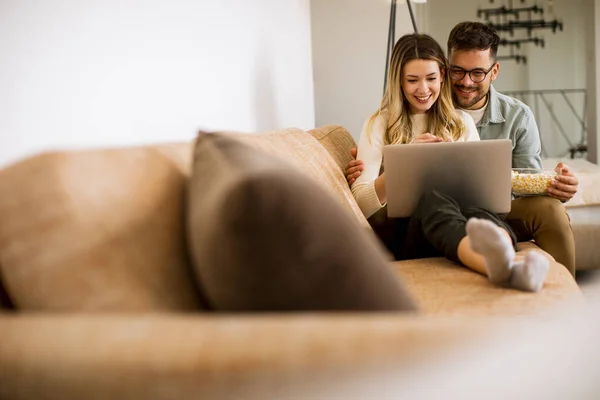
(264, 237)
(445, 288)
(301, 150)
(337, 141)
(96, 230)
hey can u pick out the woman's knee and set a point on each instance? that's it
(477, 212)
(436, 197)
(434, 201)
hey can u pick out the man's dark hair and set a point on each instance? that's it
(473, 36)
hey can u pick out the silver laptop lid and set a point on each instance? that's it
(474, 173)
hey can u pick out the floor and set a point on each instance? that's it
(589, 283)
(585, 278)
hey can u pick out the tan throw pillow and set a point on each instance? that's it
(263, 237)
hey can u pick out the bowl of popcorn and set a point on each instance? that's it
(531, 181)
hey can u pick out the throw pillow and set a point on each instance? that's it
(263, 237)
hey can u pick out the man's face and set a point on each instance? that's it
(466, 93)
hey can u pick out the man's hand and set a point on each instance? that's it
(354, 168)
(428, 138)
(565, 183)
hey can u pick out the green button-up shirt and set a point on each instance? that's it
(509, 118)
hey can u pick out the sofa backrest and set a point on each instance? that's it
(97, 230)
(101, 230)
(320, 159)
(337, 141)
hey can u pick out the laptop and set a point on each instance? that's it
(474, 173)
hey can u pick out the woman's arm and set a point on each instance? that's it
(369, 188)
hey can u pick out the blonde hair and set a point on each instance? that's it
(442, 119)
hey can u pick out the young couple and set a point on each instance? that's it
(417, 107)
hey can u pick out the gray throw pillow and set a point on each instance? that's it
(263, 237)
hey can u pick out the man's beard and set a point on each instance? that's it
(459, 101)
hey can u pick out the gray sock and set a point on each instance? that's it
(494, 245)
(530, 274)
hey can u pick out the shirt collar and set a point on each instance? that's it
(493, 112)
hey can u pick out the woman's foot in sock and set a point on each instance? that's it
(530, 274)
(494, 244)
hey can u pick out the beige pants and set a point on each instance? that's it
(545, 220)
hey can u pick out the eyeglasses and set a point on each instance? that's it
(477, 75)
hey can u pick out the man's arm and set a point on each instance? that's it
(527, 152)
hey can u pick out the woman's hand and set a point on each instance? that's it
(427, 138)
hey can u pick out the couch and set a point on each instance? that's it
(98, 301)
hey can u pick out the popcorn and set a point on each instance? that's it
(530, 181)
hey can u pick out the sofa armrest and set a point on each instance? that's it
(174, 356)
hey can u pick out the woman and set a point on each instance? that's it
(417, 108)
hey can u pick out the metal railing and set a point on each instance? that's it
(535, 98)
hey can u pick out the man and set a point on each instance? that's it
(472, 49)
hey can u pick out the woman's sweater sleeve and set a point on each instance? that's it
(370, 151)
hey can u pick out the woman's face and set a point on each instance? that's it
(421, 84)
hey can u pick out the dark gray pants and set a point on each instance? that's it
(435, 229)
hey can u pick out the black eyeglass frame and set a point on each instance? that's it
(464, 72)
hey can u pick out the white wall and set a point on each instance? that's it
(349, 49)
(82, 73)
(592, 22)
(560, 65)
(441, 16)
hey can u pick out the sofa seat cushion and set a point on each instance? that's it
(263, 237)
(442, 287)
